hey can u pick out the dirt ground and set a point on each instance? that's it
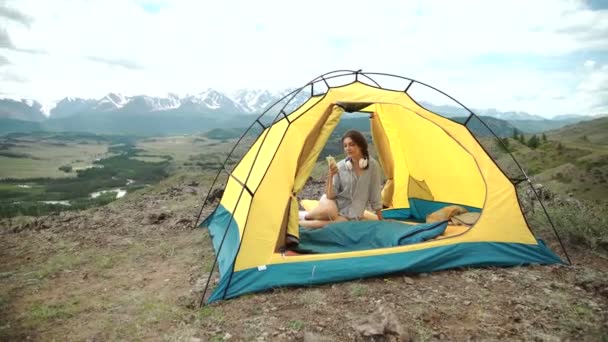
(134, 270)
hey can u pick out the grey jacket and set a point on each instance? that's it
(354, 193)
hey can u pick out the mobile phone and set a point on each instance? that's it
(331, 161)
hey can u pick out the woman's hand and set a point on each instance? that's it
(333, 169)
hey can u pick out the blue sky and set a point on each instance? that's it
(544, 57)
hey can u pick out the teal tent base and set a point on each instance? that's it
(224, 234)
(472, 254)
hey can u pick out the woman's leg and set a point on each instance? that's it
(327, 210)
(315, 224)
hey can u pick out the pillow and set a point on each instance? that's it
(466, 219)
(445, 213)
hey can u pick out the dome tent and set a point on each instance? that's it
(430, 162)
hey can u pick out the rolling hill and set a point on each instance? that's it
(573, 160)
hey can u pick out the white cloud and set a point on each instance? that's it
(191, 45)
(592, 91)
(589, 64)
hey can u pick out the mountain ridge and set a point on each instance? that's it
(242, 101)
(115, 112)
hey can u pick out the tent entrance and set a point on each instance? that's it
(424, 168)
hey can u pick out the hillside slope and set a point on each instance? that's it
(594, 132)
(134, 270)
(573, 160)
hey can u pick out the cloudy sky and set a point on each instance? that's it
(543, 57)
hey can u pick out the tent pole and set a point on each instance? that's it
(223, 167)
(550, 221)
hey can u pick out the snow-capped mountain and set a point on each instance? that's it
(454, 111)
(70, 106)
(252, 101)
(110, 102)
(145, 104)
(567, 117)
(257, 100)
(210, 101)
(27, 110)
(511, 115)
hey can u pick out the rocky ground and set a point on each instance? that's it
(134, 270)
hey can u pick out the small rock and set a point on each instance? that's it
(4, 275)
(467, 302)
(227, 336)
(216, 194)
(187, 301)
(380, 323)
(312, 337)
(408, 280)
(155, 218)
(200, 283)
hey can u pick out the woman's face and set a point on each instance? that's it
(351, 149)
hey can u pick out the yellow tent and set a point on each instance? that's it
(429, 161)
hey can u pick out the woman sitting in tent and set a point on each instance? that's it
(351, 185)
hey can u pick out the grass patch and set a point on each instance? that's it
(312, 297)
(563, 178)
(106, 262)
(210, 313)
(4, 300)
(296, 325)
(166, 250)
(580, 222)
(41, 313)
(59, 262)
(155, 311)
(577, 318)
(358, 290)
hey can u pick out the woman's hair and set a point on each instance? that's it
(359, 140)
